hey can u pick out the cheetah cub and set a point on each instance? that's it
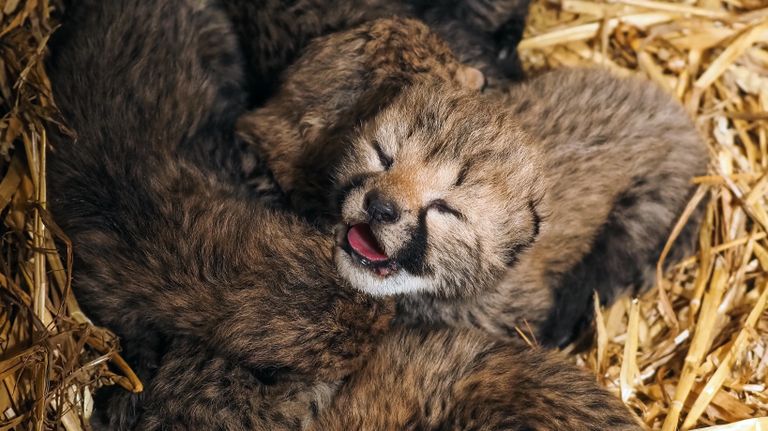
(478, 210)
(489, 212)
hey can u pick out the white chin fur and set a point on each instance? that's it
(362, 279)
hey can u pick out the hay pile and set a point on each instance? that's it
(51, 356)
(694, 351)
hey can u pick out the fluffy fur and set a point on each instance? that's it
(415, 380)
(473, 383)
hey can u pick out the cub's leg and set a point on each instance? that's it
(198, 389)
(461, 380)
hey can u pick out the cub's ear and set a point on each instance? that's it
(470, 78)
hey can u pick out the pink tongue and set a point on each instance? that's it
(361, 239)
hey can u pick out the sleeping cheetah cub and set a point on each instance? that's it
(361, 69)
(487, 212)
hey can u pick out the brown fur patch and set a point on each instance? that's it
(169, 251)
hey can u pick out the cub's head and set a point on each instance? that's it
(438, 193)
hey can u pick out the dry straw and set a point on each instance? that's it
(51, 356)
(693, 352)
(690, 354)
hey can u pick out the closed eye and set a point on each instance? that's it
(442, 206)
(385, 160)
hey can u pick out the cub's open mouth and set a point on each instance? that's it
(361, 244)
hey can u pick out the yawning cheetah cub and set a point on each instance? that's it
(478, 210)
(488, 212)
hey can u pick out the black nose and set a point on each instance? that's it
(380, 209)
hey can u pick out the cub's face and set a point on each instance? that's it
(438, 193)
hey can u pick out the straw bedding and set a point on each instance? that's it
(691, 353)
(694, 351)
